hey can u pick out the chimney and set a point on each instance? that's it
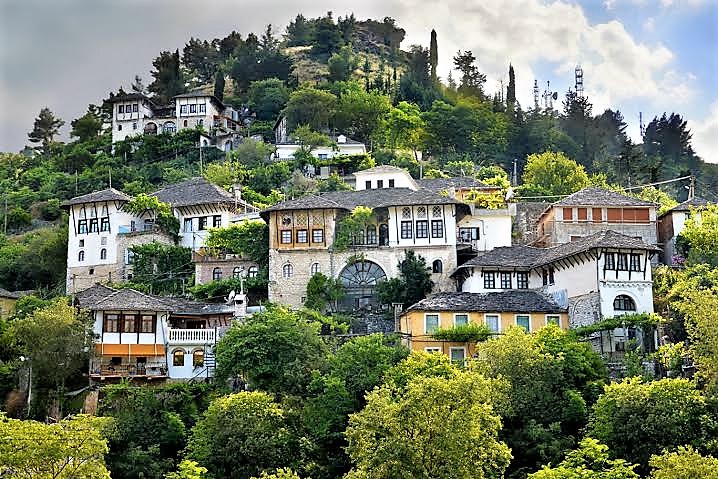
(237, 190)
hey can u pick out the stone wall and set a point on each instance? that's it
(204, 267)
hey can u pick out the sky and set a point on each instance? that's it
(649, 56)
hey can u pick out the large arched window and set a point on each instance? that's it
(178, 357)
(151, 128)
(287, 270)
(437, 266)
(252, 272)
(216, 274)
(360, 280)
(624, 303)
(198, 358)
(169, 127)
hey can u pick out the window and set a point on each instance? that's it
(216, 221)
(92, 271)
(252, 272)
(147, 323)
(286, 237)
(436, 212)
(178, 357)
(437, 228)
(596, 215)
(624, 303)
(610, 261)
(406, 212)
(432, 350)
(582, 214)
(202, 223)
(421, 212)
(202, 108)
(547, 276)
(200, 122)
(431, 323)
(315, 268)
(193, 108)
(406, 231)
(391, 183)
(380, 183)
(184, 123)
(134, 108)
(457, 355)
(82, 243)
(523, 321)
(568, 214)
(129, 322)
(489, 280)
(622, 262)
(553, 319)
(121, 109)
(323, 156)
(183, 109)
(187, 225)
(302, 236)
(216, 274)
(437, 266)
(551, 279)
(169, 127)
(422, 229)
(112, 323)
(522, 280)
(104, 224)
(367, 185)
(286, 220)
(467, 235)
(130, 257)
(94, 227)
(317, 236)
(371, 237)
(287, 270)
(198, 358)
(635, 262)
(119, 127)
(505, 280)
(461, 319)
(134, 125)
(492, 322)
(237, 272)
(103, 241)
(81, 256)
(103, 253)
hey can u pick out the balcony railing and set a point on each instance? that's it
(191, 336)
(152, 369)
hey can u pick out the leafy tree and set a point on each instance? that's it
(416, 85)
(685, 463)
(160, 268)
(45, 128)
(248, 238)
(276, 351)
(188, 470)
(590, 461)
(87, 126)
(308, 141)
(299, 31)
(202, 58)
(700, 236)
(412, 285)
(434, 427)
(552, 174)
(240, 436)
(35, 260)
(359, 113)
(667, 140)
(282, 473)
(69, 449)
(323, 292)
(700, 308)
(472, 81)
(623, 418)
(162, 212)
(577, 123)
(342, 64)
(312, 107)
(403, 127)
(327, 35)
(168, 78)
(268, 97)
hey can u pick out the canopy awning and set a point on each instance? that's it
(103, 349)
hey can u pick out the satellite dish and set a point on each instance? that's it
(231, 296)
(555, 95)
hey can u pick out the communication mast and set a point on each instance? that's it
(641, 125)
(549, 96)
(536, 95)
(579, 81)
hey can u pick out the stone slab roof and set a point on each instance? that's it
(195, 191)
(695, 202)
(108, 194)
(89, 297)
(129, 97)
(518, 301)
(459, 182)
(4, 293)
(529, 257)
(593, 196)
(130, 300)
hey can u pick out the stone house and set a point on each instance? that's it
(672, 222)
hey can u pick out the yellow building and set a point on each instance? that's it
(8, 300)
(498, 311)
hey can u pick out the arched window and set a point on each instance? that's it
(216, 274)
(103, 253)
(360, 280)
(624, 303)
(184, 123)
(236, 272)
(371, 234)
(81, 256)
(437, 266)
(228, 146)
(287, 270)
(315, 268)
(178, 357)
(200, 122)
(83, 215)
(151, 128)
(198, 358)
(383, 234)
(252, 272)
(169, 127)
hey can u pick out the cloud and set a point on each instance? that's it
(705, 135)
(650, 24)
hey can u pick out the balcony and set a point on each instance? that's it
(105, 370)
(191, 336)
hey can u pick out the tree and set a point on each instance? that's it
(168, 78)
(412, 285)
(219, 85)
(403, 127)
(700, 308)
(202, 58)
(240, 436)
(276, 351)
(248, 238)
(624, 418)
(69, 449)
(160, 268)
(359, 113)
(323, 292)
(553, 174)
(590, 461)
(327, 35)
(283, 473)
(312, 107)
(700, 236)
(268, 97)
(45, 128)
(342, 64)
(187, 470)
(511, 89)
(685, 463)
(300, 31)
(668, 140)
(435, 427)
(87, 126)
(472, 81)
(433, 55)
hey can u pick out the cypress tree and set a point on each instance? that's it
(219, 86)
(511, 89)
(433, 55)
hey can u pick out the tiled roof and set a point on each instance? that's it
(4, 293)
(383, 169)
(89, 297)
(529, 257)
(593, 196)
(129, 97)
(188, 307)
(195, 191)
(519, 301)
(373, 198)
(129, 299)
(695, 202)
(458, 182)
(109, 194)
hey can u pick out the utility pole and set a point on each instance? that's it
(691, 191)
(5, 220)
(200, 157)
(516, 176)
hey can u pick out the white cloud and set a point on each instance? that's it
(705, 135)
(650, 24)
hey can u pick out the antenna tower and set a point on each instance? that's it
(579, 81)
(548, 96)
(536, 95)
(641, 125)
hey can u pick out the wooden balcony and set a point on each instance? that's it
(191, 336)
(151, 370)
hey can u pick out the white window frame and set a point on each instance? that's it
(498, 325)
(438, 321)
(457, 348)
(516, 320)
(553, 315)
(461, 314)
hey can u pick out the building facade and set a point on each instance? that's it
(673, 222)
